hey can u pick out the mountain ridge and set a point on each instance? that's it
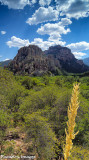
(32, 60)
(5, 63)
(86, 61)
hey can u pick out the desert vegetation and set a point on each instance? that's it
(72, 112)
(33, 116)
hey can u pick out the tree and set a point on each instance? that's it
(41, 134)
(4, 123)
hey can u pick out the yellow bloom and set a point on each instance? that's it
(72, 112)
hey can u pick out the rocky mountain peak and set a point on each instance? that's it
(32, 60)
(25, 53)
(59, 51)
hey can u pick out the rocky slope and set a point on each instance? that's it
(32, 60)
(67, 60)
(28, 60)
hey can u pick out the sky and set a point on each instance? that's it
(44, 23)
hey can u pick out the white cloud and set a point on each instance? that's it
(43, 15)
(17, 4)
(6, 59)
(55, 28)
(65, 21)
(73, 8)
(78, 47)
(44, 2)
(79, 55)
(46, 44)
(3, 32)
(33, 1)
(54, 37)
(70, 8)
(17, 42)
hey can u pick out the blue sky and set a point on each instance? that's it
(44, 23)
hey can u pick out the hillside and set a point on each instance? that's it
(86, 61)
(32, 60)
(5, 63)
(33, 116)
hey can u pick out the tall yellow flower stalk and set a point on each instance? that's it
(72, 112)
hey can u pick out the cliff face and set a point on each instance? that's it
(32, 60)
(67, 60)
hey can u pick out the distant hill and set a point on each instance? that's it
(86, 61)
(32, 60)
(5, 63)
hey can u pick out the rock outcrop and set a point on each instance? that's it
(67, 60)
(32, 60)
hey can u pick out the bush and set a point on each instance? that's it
(40, 133)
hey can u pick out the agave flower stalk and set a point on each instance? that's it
(72, 112)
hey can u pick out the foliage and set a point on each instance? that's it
(79, 153)
(38, 107)
(43, 138)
